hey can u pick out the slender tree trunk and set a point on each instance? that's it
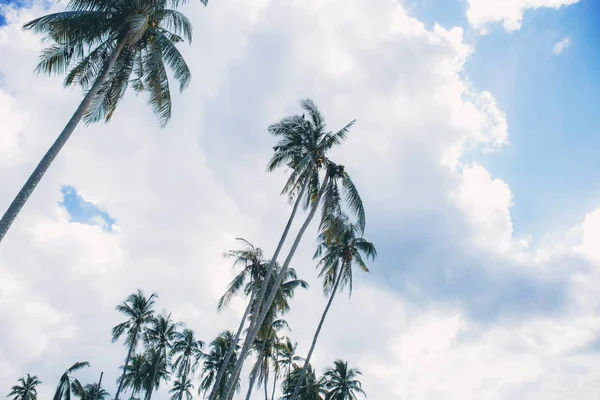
(35, 178)
(156, 366)
(265, 384)
(254, 330)
(99, 385)
(274, 386)
(261, 295)
(127, 359)
(316, 337)
(254, 372)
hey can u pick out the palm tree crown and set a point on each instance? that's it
(144, 34)
(310, 389)
(342, 382)
(214, 361)
(26, 389)
(63, 390)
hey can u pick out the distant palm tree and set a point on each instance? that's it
(26, 389)
(188, 353)
(63, 390)
(135, 375)
(342, 382)
(99, 45)
(267, 340)
(286, 355)
(252, 259)
(302, 148)
(310, 389)
(139, 312)
(91, 391)
(213, 362)
(159, 337)
(341, 247)
(182, 389)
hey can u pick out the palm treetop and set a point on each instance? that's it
(142, 32)
(342, 382)
(26, 389)
(340, 246)
(303, 145)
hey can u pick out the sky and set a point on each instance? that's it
(475, 152)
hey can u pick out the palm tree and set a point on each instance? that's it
(302, 148)
(91, 391)
(99, 45)
(63, 390)
(311, 388)
(341, 247)
(135, 374)
(266, 345)
(182, 389)
(279, 306)
(342, 382)
(139, 312)
(188, 352)
(286, 355)
(159, 337)
(213, 362)
(26, 389)
(252, 259)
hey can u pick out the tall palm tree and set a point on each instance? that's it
(213, 362)
(188, 353)
(342, 382)
(26, 389)
(182, 389)
(159, 337)
(302, 148)
(139, 311)
(100, 45)
(312, 388)
(63, 390)
(91, 391)
(341, 247)
(286, 355)
(252, 258)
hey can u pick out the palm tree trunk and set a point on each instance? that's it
(127, 359)
(156, 366)
(254, 372)
(258, 323)
(35, 178)
(265, 384)
(316, 337)
(274, 386)
(261, 295)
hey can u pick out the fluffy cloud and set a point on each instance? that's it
(455, 306)
(510, 12)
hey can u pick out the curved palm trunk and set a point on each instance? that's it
(261, 294)
(35, 178)
(265, 385)
(127, 359)
(316, 337)
(257, 324)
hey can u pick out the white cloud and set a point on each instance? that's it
(180, 197)
(482, 13)
(560, 46)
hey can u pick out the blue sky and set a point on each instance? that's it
(550, 102)
(84, 212)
